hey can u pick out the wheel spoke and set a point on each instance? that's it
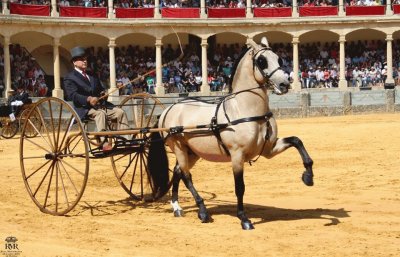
(69, 178)
(33, 173)
(72, 167)
(129, 164)
(48, 186)
(134, 171)
(63, 186)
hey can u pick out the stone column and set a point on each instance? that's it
(203, 7)
(111, 9)
(159, 90)
(57, 91)
(296, 85)
(249, 13)
(389, 10)
(341, 8)
(295, 12)
(114, 92)
(54, 12)
(5, 10)
(7, 67)
(342, 64)
(205, 88)
(157, 9)
(389, 59)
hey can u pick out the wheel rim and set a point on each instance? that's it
(131, 168)
(55, 164)
(10, 129)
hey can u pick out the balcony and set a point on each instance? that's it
(194, 13)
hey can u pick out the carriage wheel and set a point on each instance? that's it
(10, 128)
(33, 122)
(55, 164)
(131, 168)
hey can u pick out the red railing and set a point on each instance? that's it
(318, 11)
(396, 8)
(134, 12)
(226, 12)
(86, 12)
(365, 10)
(273, 12)
(180, 12)
(29, 9)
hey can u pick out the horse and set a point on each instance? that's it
(238, 128)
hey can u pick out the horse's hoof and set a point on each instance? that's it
(246, 225)
(204, 217)
(308, 178)
(178, 213)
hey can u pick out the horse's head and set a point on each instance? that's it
(267, 68)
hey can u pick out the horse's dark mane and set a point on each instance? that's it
(235, 67)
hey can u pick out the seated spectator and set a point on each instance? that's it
(40, 87)
(64, 3)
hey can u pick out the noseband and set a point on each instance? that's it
(257, 64)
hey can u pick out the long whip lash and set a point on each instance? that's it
(147, 73)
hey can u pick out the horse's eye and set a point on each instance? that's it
(280, 61)
(262, 62)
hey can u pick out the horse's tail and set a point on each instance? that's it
(157, 164)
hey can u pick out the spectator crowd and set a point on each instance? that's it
(365, 63)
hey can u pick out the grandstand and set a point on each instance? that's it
(128, 38)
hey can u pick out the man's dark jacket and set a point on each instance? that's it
(77, 89)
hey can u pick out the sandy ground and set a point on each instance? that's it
(352, 210)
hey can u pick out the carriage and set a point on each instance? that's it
(237, 128)
(10, 125)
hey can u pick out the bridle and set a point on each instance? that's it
(261, 63)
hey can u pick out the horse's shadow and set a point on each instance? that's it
(262, 214)
(269, 214)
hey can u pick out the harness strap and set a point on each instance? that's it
(215, 128)
(266, 116)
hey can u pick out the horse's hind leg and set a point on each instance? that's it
(182, 172)
(284, 143)
(202, 213)
(178, 212)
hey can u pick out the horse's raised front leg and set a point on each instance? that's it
(284, 143)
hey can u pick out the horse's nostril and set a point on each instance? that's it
(283, 87)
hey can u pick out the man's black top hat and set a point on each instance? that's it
(77, 52)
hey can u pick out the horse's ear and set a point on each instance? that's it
(251, 42)
(264, 42)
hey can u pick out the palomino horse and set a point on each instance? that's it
(240, 128)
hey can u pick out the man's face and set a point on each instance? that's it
(80, 63)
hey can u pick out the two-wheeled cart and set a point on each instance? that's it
(55, 163)
(10, 125)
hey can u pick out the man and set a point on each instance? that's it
(16, 101)
(85, 92)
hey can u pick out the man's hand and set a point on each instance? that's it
(92, 100)
(104, 95)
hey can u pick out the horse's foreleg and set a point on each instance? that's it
(239, 191)
(203, 213)
(178, 212)
(284, 143)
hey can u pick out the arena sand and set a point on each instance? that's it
(352, 210)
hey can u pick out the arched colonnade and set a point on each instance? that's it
(60, 42)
